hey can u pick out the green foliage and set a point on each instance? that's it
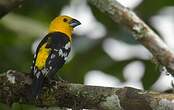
(146, 9)
(4, 107)
(14, 54)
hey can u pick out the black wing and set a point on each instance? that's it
(60, 49)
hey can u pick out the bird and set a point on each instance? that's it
(52, 52)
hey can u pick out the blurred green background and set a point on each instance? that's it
(99, 45)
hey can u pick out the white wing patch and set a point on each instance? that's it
(49, 62)
(56, 50)
(66, 58)
(53, 56)
(62, 54)
(68, 45)
(34, 55)
(38, 74)
(50, 67)
(44, 71)
(35, 70)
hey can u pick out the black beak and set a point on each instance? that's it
(74, 23)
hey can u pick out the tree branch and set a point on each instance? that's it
(139, 29)
(16, 87)
(8, 5)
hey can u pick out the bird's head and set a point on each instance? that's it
(64, 24)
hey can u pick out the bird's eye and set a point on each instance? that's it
(65, 20)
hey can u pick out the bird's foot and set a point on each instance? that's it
(58, 78)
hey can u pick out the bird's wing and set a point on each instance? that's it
(61, 47)
(52, 55)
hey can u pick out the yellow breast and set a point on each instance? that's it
(42, 57)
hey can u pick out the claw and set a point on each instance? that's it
(60, 79)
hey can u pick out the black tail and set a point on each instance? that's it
(37, 85)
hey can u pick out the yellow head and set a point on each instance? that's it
(64, 24)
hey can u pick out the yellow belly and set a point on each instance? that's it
(42, 57)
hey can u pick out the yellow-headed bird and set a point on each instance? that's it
(52, 51)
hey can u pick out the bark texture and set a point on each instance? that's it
(16, 87)
(141, 32)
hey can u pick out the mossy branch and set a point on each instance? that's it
(16, 87)
(141, 32)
